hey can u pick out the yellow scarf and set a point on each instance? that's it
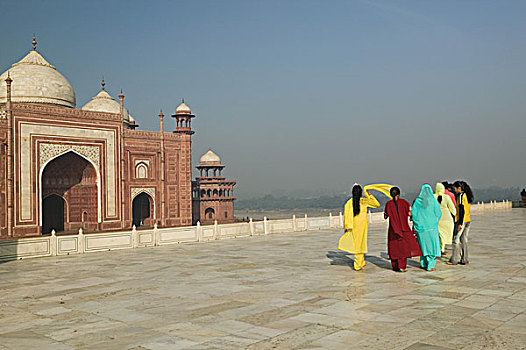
(383, 188)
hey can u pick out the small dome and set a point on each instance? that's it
(103, 102)
(37, 81)
(210, 158)
(183, 109)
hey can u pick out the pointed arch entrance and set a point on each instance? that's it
(73, 179)
(142, 210)
(210, 214)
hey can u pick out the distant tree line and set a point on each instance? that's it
(271, 202)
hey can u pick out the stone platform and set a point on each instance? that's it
(283, 291)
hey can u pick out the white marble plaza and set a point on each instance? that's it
(282, 291)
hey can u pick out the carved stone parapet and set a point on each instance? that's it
(34, 108)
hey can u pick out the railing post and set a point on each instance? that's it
(217, 234)
(53, 243)
(370, 217)
(135, 237)
(341, 220)
(251, 227)
(156, 235)
(265, 228)
(330, 220)
(81, 241)
(199, 232)
(306, 222)
(294, 223)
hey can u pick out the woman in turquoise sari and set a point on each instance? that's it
(426, 215)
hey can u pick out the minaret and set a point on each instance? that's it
(121, 100)
(163, 181)
(124, 193)
(213, 195)
(183, 119)
(10, 143)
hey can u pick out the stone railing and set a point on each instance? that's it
(81, 243)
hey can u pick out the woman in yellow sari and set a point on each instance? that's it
(355, 224)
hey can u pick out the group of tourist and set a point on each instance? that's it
(438, 218)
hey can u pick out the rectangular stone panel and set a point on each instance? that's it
(234, 230)
(108, 241)
(146, 238)
(67, 245)
(277, 226)
(25, 248)
(318, 223)
(176, 235)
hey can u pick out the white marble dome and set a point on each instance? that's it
(103, 102)
(183, 109)
(210, 158)
(37, 81)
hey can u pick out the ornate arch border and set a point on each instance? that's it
(135, 191)
(59, 151)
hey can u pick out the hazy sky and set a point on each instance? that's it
(306, 95)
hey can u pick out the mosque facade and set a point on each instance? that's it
(64, 168)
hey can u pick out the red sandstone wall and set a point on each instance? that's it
(145, 147)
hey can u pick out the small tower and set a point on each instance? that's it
(183, 119)
(213, 196)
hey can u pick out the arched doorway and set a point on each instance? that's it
(73, 179)
(210, 214)
(52, 214)
(142, 207)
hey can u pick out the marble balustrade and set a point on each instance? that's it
(80, 243)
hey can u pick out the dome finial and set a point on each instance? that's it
(34, 42)
(102, 83)
(8, 79)
(183, 99)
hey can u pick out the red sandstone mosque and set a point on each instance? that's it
(64, 168)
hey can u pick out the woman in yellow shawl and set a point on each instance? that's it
(446, 223)
(355, 224)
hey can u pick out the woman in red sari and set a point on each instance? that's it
(401, 242)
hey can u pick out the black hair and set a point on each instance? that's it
(469, 193)
(395, 191)
(448, 186)
(466, 189)
(356, 195)
(439, 199)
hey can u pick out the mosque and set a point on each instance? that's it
(66, 168)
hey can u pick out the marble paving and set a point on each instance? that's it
(285, 291)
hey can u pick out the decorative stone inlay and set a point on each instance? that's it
(145, 161)
(50, 150)
(148, 190)
(3, 114)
